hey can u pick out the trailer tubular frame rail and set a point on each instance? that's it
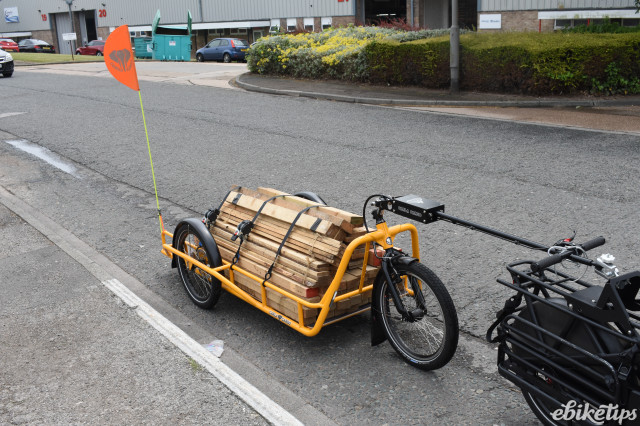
(327, 299)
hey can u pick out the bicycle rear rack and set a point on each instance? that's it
(569, 340)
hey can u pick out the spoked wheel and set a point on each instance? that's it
(226, 58)
(429, 340)
(203, 289)
(98, 53)
(200, 57)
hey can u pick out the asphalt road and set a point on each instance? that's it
(538, 182)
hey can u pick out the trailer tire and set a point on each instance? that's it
(192, 238)
(311, 196)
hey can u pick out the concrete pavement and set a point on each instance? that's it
(79, 347)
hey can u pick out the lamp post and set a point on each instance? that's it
(73, 27)
(455, 48)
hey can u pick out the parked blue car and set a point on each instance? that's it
(223, 49)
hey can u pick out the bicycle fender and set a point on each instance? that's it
(404, 260)
(377, 332)
(205, 237)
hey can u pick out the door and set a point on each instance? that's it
(209, 50)
(63, 25)
(257, 34)
(220, 48)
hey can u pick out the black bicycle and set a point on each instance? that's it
(569, 345)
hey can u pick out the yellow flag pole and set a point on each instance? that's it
(155, 188)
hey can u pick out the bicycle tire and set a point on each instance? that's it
(430, 341)
(203, 289)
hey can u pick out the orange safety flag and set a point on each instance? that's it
(118, 57)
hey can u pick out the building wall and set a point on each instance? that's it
(142, 12)
(524, 21)
(504, 5)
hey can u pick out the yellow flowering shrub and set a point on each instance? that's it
(333, 53)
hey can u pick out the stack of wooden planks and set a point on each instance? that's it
(309, 258)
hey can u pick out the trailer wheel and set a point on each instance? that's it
(311, 196)
(203, 288)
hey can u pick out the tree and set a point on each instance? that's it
(637, 6)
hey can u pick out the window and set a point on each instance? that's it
(562, 23)
(238, 31)
(308, 24)
(630, 22)
(224, 43)
(291, 24)
(326, 23)
(216, 31)
(275, 26)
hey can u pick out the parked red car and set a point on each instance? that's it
(95, 47)
(7, 44)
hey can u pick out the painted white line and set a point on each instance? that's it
(93, 262)
(46, 155)
(10, 114)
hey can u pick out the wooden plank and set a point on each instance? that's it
(317, 249)
(275, 300)
(292, 202)
(311, 251)
(281, 227)
(353, 219)
(225, 230)
(283, 214)
(265, 257)
(246, 262)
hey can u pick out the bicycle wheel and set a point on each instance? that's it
(430, 340)
(203, 289)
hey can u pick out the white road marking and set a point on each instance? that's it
(46, 155)
(10, 114)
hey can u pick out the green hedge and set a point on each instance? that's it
(529, 63)
(423, 62)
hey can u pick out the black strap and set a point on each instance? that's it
(316, 224)
(211, 215)
(267, 276)
(509, 307)
(244, 228)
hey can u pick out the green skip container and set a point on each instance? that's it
(144, 47)
(171, 43)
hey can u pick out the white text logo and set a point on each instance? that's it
(579, 412)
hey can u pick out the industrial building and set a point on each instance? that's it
(48, 20)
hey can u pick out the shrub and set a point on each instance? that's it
(552, 63)
(334, 53)
(528, 63)
(605, 27)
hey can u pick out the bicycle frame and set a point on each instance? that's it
(383, 236)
